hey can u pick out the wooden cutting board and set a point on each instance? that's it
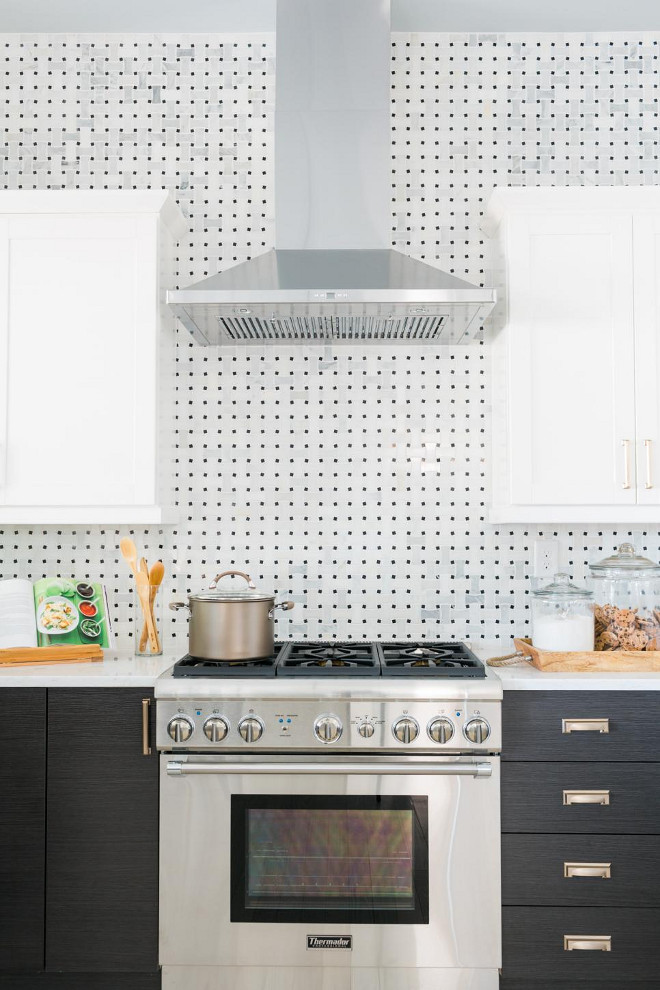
(51, 654)
(621, 661)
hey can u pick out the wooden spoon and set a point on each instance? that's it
(129, 553)
(142, 582)
(156, 575)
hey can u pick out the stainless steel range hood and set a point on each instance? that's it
(333, 275)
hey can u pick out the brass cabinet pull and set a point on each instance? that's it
(626, 463)
(146, 748)
(586, 797)
(569, 725)
(602, 870)
(588, 943)
(647, 447)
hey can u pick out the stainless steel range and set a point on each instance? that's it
(330, 820)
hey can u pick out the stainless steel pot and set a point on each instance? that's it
(231, 625)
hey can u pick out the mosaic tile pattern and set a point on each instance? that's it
(354, 480)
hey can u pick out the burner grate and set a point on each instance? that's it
(195, 667)
(345, 659)
(329, 660)
(429, 660)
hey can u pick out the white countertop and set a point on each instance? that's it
(121, 669)
(115, 670)
(528, 678)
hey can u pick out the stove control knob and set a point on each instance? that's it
(405, 730)
(251, 729)
(215, 729)
(477, 730)
(180, 728)
(327, 728)
(366, 730)
(440, 730)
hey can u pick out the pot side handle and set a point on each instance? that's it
(285, 606)
(175, 606)
(250, 582)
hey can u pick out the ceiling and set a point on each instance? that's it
(259, 15)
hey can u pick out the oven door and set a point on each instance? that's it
(387, 864)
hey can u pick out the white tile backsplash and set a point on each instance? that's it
(354, 480)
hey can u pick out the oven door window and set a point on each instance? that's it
(353, 860)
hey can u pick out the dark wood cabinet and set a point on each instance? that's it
(533, 870)
(532, 726)
(533, 797)
(533, 943)
(79, 981)
(102, 837)
(541, 833)
(22, 827)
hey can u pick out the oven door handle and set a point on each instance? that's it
(177, 768)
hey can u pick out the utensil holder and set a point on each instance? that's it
(142, 645)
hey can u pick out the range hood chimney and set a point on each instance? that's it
(332, 276)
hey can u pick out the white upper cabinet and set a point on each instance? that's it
(576, 357)
(84, 339)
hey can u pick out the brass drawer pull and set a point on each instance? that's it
(146, 748)
(586, 797)
(588, 943)
(602, 870)
(569, 725)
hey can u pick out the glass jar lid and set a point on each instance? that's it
(625, 559)
(561, 589)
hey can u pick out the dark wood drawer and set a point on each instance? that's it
(80, 981)
(533, 944)
(532, 797)
(582, 985)
(533, 870)
(532, 725)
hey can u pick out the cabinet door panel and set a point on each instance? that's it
(22, 827)
(76, 329)
(532, 725)
(571, 394)
(79, 981)
(533, 944)
(102, 847)
(533, 798)
(533, 870)
(647, 349)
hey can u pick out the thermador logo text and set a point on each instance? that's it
(329, 941)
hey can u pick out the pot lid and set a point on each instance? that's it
(563, 588)
(625, 559)
(229, 593)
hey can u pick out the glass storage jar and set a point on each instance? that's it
(627, 601)
(563, 617)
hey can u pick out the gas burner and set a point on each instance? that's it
(330, 656)
(429, 660)
(426, 654)
(329, 659)
(195, 667)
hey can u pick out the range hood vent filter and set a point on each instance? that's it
(332, 328)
